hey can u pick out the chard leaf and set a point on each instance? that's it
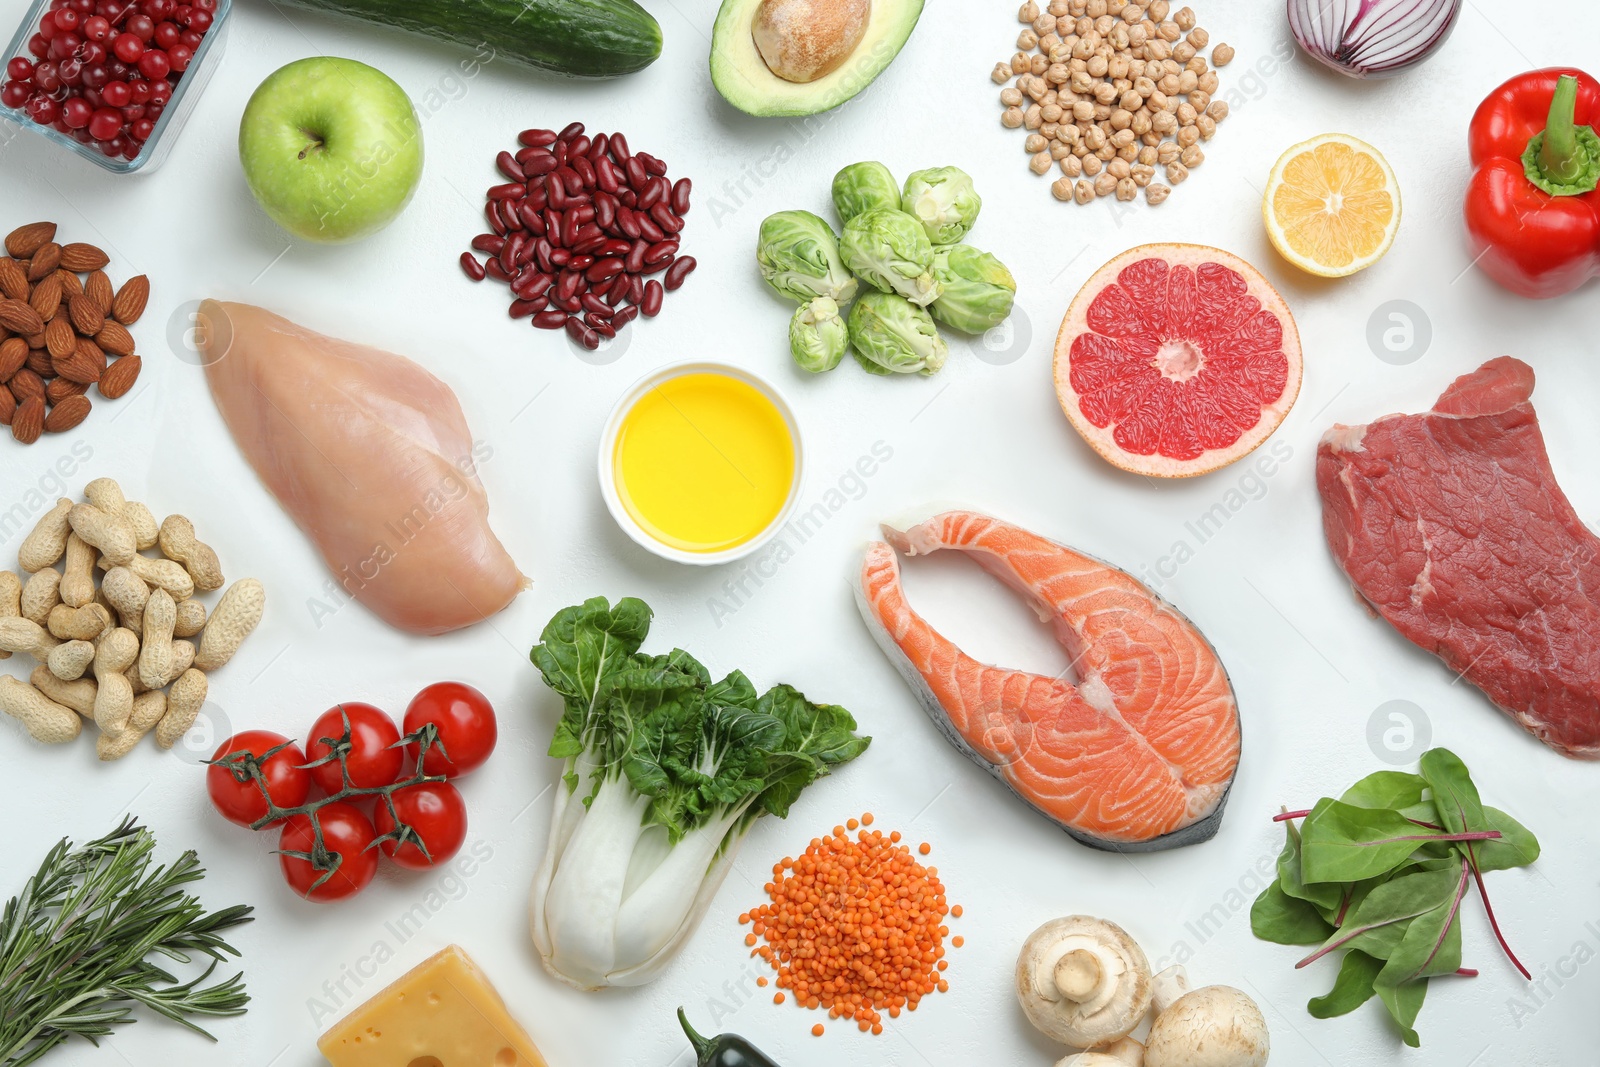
(1404, 1002)
(1353, 987)
(1344, 843)
(1517, 847)
(1291, 869)
(1432, 942)
(1385, 789)
(1454, 795)
(1276, 916)
(1377, 925)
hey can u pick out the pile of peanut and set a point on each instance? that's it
(116, 650)
(1108, 90)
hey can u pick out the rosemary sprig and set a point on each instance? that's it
(78, 944)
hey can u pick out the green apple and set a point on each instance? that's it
(331, 148)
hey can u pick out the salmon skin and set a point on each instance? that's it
(1137, 756)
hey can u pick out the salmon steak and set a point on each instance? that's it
(1136, 753)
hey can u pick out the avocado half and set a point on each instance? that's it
(743, 78)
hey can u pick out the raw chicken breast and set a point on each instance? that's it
(372, 457)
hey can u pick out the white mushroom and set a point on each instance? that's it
(1167, 986)
(1083, 981)
(1125, 1053)
(1214, 1026)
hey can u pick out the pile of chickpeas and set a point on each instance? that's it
(1109, 90)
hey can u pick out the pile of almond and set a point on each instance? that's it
(59, 333)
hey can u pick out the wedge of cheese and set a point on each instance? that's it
(441, 1013)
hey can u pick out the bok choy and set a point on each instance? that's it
(666, 771)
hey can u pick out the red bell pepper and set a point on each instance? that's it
(1533, 212)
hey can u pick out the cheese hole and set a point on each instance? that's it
(506, 1057)
(426, 1061)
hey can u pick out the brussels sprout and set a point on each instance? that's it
(895, 335)
(944, 201)
(887, 249)
(818, 337)
(863, 187)
(978, 290)
(799, 257)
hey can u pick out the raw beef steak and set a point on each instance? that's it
(1451, 524)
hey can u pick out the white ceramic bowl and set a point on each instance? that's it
(608, 474)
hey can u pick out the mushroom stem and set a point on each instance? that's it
(1078, 974)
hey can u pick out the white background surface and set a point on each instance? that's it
(1310, 666)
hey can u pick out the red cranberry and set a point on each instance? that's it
(43, 109)
(47, 24)
(76, 112)
(113, 148)
(131, 152)
(67, 19)
(46, 78)
(104, 124)
(96, 28)
(167, 34)
(19, 69)
(154, 65)
(91, 97)
(83, 7)
(160, 93)
(116, 94)
(92, 52)
(15, 94)
(208, 6)
(95, 77)
(128, 47)
(141, 130)
(118, 71)
(57, 5)
(160, 9)
(153, 111)
(141, 91)
(39, 46)
(180, 56)
(63, 44)
(82, 136)
(71, 72)
(141, 26)
(191, 40)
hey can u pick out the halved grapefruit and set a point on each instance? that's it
(1177, 359)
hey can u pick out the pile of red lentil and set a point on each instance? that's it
(854, 925)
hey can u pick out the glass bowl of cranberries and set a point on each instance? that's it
(112, 80)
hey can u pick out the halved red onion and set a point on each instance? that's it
(1371, 38)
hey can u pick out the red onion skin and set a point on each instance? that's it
(1371, 38)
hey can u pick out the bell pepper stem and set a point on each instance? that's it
(1559, 156)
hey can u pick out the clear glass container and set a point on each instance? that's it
(185, 94)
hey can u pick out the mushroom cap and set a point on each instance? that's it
(1125, 1053)
(1214, 1026)
(1108, 973)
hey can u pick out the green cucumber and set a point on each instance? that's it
(583, 38)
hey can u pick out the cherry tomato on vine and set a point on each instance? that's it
(234, 792)
(465, 722)
(346, 833)
(368, 757)
(436, 812)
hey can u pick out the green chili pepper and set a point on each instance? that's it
(728, 1050)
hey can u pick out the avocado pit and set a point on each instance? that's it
(804, 40)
